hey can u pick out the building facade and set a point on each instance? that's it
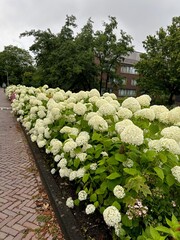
(128, 74)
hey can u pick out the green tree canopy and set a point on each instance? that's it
(15, 62)
(67, 60)
(110, 50)
(159, 67)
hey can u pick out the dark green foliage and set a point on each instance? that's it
(17, 63)
(159, 67)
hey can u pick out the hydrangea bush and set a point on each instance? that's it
(123, 158)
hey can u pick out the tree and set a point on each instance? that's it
(159, 67)
(110, 50)
(15, 62)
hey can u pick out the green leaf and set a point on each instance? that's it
(163, 229)
(170, 180)
(154, 128)
(76, 202)
(131, 171)
(111, 183)
(100, 191)
(159, 172)
(96, 136)
(126, 221)
(96, 204)
(76, 162)
(163, 157)
(100, 170)
(93, 197)
(112, 161)
(117, 205)
(151, 155)
(85, 177)
(113, 175)
(154, 233)
(120, 157)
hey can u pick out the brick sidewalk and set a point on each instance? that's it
(18, 182)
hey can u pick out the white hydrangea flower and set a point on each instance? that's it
(70, 130)
(88, 116)
(55, 113)
(62, 163)
(80, 108)
(120, 126)
(172, 132)
(107, 109)
(104, 154)
(171, 145)
(34, 109)
(174, 115)
(98, 123)
(82, 195)
(69, 145)
(90, 208)
(53, 170)
(57, 158)
(27, 125)
(56, 146)
(100, 102)
(93, 166)
(42, 96)
(81, 95)
(124, 113)
(64, 172)
(47, 133)
(165, 144)
(82, 138)
(146, 113)
(117, 229)
(128, 163)
(72, 175)
(144, 100)
(164, 117)
(176, 173)
(81, 172)
(94, 92)
(132, 104)
(111, 216)
(58, 96)
(41, 114)
(81, 156)
(41, 143)
(93, 99)
(33, 138)
(70, 202)
(132, 135)
(86, 146)
(119, 191)
(155, 144)
(158, 109)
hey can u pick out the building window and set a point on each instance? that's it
(126, 92)
(124, 81)
(128, 69)
(133, 82)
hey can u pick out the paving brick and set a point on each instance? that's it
(9, 230)
(30, 225)
(3, 235)
(3, 216)
(18, 184)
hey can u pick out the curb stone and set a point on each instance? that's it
(63, 214)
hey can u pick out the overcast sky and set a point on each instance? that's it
(138, 18)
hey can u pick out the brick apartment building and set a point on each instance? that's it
(126, 70)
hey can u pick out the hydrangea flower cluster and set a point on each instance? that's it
(105, 147)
